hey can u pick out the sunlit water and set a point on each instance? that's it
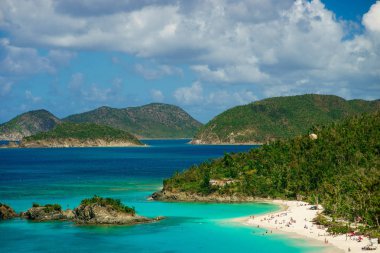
(66, 176)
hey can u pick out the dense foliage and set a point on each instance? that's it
(114, 203)
(280, 117)
(149, 121)
(83, 131)
(49, 207)
(340, 169)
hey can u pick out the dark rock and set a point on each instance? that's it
(93, 214)
(42, 213)
(6, 212)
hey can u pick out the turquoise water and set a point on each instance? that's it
(66, 176)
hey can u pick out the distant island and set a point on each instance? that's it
(80, 135)
(279, 118)
(337, 165)
(92, 211)
(154, 120)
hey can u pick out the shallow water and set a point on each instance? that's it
(66, 176)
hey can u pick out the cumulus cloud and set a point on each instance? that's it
(18, 63)
(29, 96)
(22, 60)
(269, 44)
(93, 92)
(96, 93)
(371, 19)
(189, 95)
(157, 95)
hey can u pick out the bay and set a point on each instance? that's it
(67, 175)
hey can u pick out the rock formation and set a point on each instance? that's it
(94, 211)
(47, 213)
(6, 212)
(97, 214)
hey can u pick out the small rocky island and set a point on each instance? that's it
(80, 135)
(6, 212)
(47, 212)
(98, 210)
(92, 211)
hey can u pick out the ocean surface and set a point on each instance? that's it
(67, 175)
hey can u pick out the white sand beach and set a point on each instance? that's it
(296, 218)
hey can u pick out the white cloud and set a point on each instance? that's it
(157, 95)
(96, 93)
(22, 60)
(29, 96)
(230, 74)
(265, 43)
(93, 92)
(371, 19)
(189, 95)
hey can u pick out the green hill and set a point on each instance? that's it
(27, 124)
(279, 117)
(341, 168)
(78, 135)
(148, 121)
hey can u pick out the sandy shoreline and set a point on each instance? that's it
(295, 219)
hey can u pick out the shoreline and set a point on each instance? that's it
(279, 222)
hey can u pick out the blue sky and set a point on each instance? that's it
(206, 56)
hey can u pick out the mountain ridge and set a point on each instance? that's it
(154, 120)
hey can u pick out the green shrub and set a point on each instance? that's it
(114, 203)
(52, 207)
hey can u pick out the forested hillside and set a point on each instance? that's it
(341, 168)
(278, 118)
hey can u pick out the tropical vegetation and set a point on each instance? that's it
(279, 118)
(339, 167)
(114, 203)
(83, 131)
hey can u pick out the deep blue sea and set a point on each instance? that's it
(67, 175)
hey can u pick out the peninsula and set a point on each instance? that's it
(80, 135)
(336, 166)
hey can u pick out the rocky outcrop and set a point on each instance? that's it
(6, 212)
(71, 142)
(87, 214)
(96, 214)
(192, 197)
(44, 213)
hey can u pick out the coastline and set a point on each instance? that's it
(227, 143)
(279, 222)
